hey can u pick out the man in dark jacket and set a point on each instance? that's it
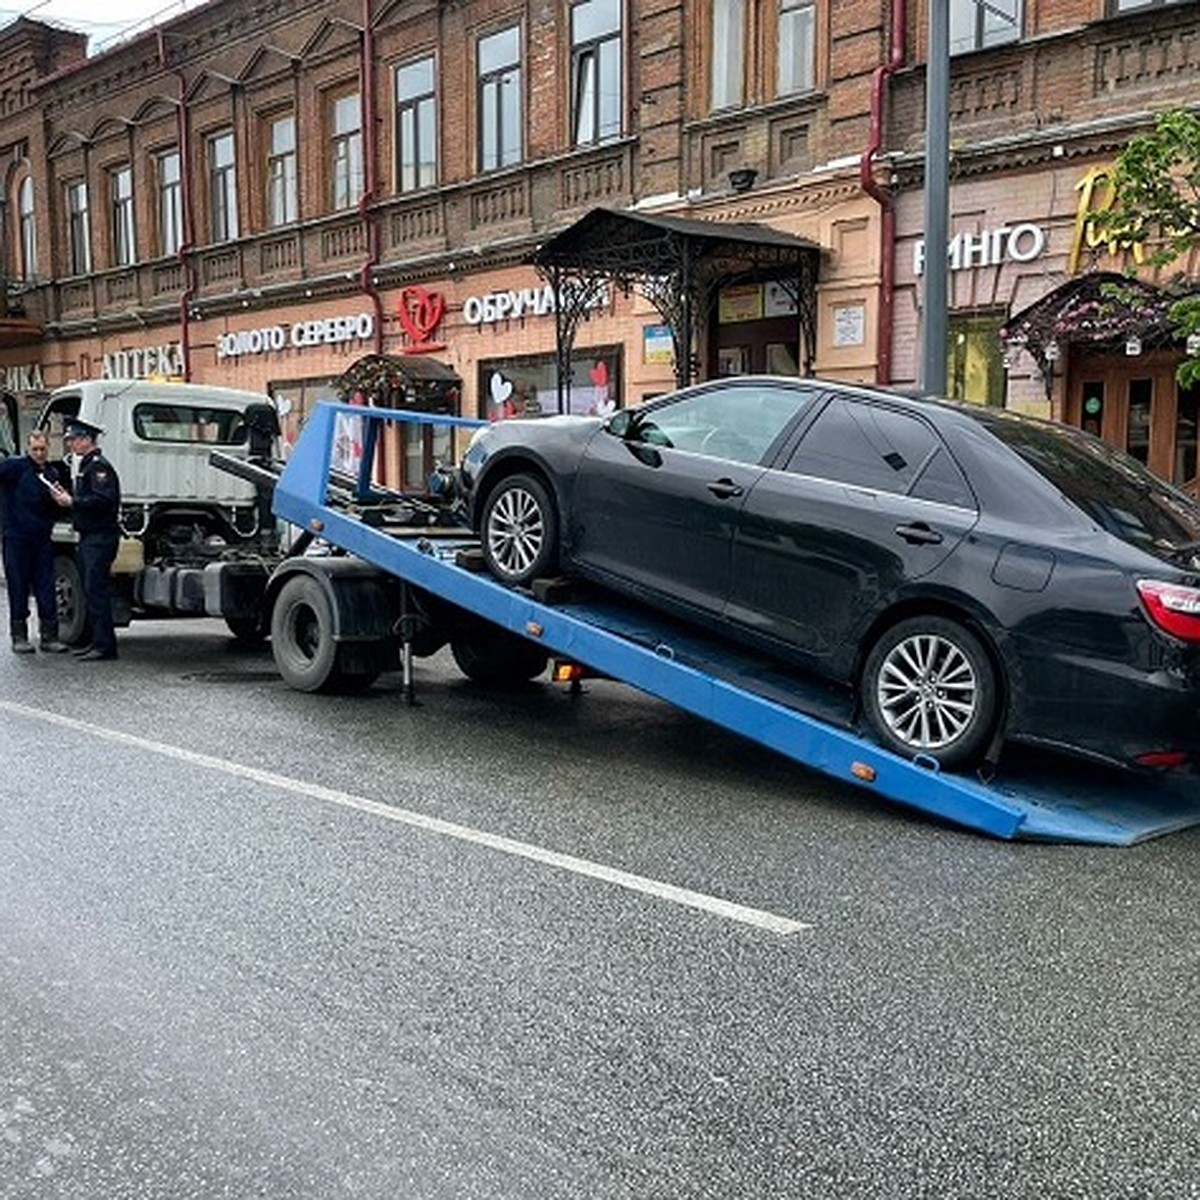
(29, 485)
(95, 507)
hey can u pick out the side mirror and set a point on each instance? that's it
(619, 423)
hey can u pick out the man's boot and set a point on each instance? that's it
(48, 641)
(20, 638)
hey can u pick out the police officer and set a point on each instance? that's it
(29, 485)
(95, 505)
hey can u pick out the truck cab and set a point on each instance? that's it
(178, 512)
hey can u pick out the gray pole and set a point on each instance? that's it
(937, 199)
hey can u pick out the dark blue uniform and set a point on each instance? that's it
(29, 513)
(97, 503)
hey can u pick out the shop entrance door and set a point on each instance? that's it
(1136, 404)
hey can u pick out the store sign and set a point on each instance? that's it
(420, 314)
(323, 331)
(988, 248)
(24, 378)
(494, 307)
(142, 362)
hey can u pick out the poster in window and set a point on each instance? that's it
(732, 360)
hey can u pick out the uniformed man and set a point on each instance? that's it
(28, 485)
(95, 507)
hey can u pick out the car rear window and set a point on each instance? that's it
(1116, 491)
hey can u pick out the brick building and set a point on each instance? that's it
(257, 193)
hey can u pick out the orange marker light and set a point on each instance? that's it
(863, 772)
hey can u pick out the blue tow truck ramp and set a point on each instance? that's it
(1039, 797)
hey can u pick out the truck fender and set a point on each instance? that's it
(361, 597)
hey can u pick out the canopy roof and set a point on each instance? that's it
(680, 265)
(401, 381)
(1102, 310)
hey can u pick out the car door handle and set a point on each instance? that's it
(725, 489)
(919, 534)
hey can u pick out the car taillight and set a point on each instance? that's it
(1172, 607)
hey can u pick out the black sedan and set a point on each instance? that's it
(975, 574)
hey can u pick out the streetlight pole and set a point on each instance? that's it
(937, 199)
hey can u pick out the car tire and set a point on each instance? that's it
(929, 688)
(519, 530)
(493, 656)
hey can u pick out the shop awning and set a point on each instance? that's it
(401, 381)
(1102, 310)
(680, 265)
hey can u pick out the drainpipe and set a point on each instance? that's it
(371, 175)
(881, 195)
(185, 184)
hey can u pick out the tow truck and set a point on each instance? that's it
(399, 577)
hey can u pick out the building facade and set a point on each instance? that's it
(259, 192)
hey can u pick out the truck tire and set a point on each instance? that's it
(306, 654)
(73, 625)
(491, 655)
(302, 636)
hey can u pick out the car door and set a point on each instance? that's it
(657, 496)
(869, 501)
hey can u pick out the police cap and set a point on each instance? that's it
(77, 428)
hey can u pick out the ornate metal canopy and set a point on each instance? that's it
(1102, 310)
(680, 265)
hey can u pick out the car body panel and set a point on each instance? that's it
(811, 567)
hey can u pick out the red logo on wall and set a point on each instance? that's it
(420, 313)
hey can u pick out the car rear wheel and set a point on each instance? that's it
(929, 688)
(520, 530)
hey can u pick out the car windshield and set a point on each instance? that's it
(1115, 490)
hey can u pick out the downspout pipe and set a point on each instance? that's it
(898, 25)
(366, 281)
(188, 244)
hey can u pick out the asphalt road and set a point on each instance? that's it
(529, 946)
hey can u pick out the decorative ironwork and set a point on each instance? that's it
(680, 265)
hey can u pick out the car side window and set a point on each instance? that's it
(873, 446)
(739, 424)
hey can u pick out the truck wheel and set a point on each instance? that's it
(929, 688)
(250, 630)
(491, 655)
(302, 636)
(73, 627)
(519, 529)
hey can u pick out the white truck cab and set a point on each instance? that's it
(179, 513)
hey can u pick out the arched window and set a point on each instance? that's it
(26, 230)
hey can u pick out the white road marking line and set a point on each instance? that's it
(755, 917)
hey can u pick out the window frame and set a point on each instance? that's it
(170, 201)
(494, 80)
(122, 215)
(79, 233)
(347, 167)
(221, 154)
(419, 169)
(282, 200)
(591, 64)
(27, 227)
(806, 13)
(979, 37)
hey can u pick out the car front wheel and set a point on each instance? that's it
(929, 688)
(520, 530)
